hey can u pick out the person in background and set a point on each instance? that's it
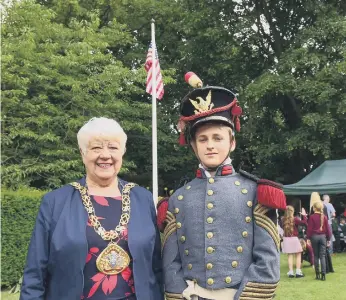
(336, 234)
(319, 233)
(291, 244)
(308, 253)
(330, 216)
(342, 230)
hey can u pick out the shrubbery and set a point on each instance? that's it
(18, 214)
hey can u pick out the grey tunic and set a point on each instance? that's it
(219, 236)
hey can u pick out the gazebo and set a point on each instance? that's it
(328, 178)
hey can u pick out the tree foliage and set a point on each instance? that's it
(79, 59)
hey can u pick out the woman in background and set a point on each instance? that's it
(291, 244)
(319, 233)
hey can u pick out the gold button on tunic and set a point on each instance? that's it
(211, 180)
(210, 192)
(210, 235)
(209, 266)
(180, 197)
(210, 205)
(244, 234)
(183, 239)
(210, 250)
(234, 264)
(228, 279)
(210, 281)
(249, 203)
(248, 219)
(240, 249)
(210, 220)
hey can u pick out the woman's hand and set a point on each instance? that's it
(303, 212)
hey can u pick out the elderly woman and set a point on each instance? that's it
(96, 238)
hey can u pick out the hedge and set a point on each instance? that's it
(18, 215)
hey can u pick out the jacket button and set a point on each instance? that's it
(210, 250)
(210, 205)
(228, 279)
(234, 264)
(244, 191)
(211, 180)
(178, 225)
(180, 197)
(188, 187)
(209, 266)
(249, 203)
(248, 219)
(186, 252)
(183, 239)
(210, 220)
(244, 234)
(176, 210)
(237, 183)
(189, 266)
(210, 235)
(240, 249)
(210, 192)
(210, 281)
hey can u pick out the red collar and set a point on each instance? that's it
(224, 171)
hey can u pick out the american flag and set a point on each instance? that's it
(148, 67)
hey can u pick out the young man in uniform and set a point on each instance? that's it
(220, 237)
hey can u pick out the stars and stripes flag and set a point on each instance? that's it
(149, 68)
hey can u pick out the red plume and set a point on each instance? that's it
(193, 80)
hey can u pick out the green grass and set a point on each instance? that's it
(306, 288)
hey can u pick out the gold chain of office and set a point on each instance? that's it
(124, 218)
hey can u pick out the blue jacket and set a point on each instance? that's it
(58, 247)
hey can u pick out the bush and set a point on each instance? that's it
(18, 215)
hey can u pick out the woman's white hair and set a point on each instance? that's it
(96, 127)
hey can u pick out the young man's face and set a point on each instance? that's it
(212, 144)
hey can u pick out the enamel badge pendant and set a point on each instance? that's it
(112, 260)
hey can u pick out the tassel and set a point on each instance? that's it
(237, 124)
(182, 140)
(236, 110)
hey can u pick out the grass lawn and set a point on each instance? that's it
(306, 288)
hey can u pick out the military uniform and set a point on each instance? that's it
(220, 233)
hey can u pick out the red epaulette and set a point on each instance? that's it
(162, 207)
(269, 193)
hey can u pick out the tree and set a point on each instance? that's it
(55, 77)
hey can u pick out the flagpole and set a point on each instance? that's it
(153, 112)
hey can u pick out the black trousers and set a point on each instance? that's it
(319, 245)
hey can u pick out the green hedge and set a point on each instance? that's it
(18, 215)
